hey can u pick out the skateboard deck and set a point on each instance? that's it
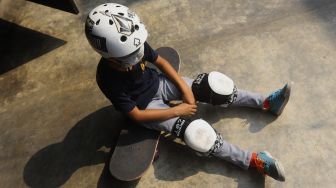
(171, 55)
(136, 146)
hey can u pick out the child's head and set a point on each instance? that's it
(117, 33)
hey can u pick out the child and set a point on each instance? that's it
(117, 33)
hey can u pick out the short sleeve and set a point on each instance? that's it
(149, 54)
(122, 102)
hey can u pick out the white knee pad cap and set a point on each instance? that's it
(200, 136)
(220, 83)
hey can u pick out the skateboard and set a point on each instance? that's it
(137, 146)
(171, 55)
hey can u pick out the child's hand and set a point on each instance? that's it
(185, 109)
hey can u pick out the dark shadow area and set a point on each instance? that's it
(91, 141)
(106, 180)
(325, 10)
(64, 5)
(134, 152)
(130, 136)
(18, 45)
(183, 162)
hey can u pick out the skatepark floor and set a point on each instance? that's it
(58, 130)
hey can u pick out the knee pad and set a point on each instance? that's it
(214, 88)
(198, 134)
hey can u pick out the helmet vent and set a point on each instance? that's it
(105, 5)
(121, 14)
(97, 22)
(95, 12)
(111, 22)
(123, 38)
(136, 27)
(106, 11)
(118, 6)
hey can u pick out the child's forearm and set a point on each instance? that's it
(152, 114)
(165, 67)
(180, 110)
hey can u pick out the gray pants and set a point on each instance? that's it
(168, 91)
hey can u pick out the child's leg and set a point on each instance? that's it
(224, 150)
(200, 136)
(218, 89)
(249, 99)
(168, 91)
(274, 103)
(166, 125)
(244, 98)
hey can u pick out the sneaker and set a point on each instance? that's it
(267, 165)
(276, 102)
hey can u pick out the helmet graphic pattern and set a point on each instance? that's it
(113, 30)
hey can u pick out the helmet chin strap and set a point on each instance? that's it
(134, 58)
(126, 63)
(130, 60)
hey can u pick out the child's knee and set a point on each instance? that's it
(198, 134)
(214, 88)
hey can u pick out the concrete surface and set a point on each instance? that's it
(57, 129)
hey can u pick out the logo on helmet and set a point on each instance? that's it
(124, 25)
(98, 43)
(89, 25)
(137, 42)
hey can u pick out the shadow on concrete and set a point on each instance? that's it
(107, 181)
(18, 45)
(65, 5)
(326, 11)
(183, 163)
(188, 163)
(91, 141)
(323, 8)
(255, 119)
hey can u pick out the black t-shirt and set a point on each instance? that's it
(126, 90)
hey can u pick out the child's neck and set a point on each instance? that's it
(118, 68)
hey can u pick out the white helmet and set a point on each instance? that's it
(114, 31)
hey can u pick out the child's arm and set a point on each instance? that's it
(188, 108)
(162, 114)
(165, 67)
